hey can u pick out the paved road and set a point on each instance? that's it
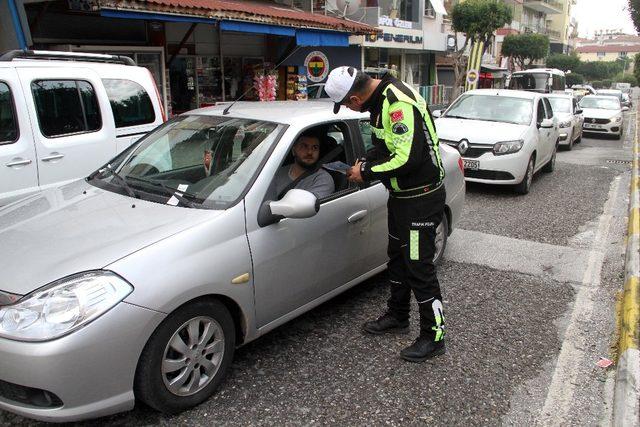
(529, 284)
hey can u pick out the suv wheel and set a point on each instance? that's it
(186, 358)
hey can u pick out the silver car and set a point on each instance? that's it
(140, 281)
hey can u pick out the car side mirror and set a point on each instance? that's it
(579, 111)
(436, 113)
(546, 123)
(625, 108)
(295, 204)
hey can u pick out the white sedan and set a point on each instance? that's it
(504, 136)
(570, 118)
(603, 114)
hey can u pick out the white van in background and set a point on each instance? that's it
(62, 115)
(541, 80)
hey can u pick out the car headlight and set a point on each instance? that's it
(616, 119)
(507, 147)
(565, 124)
(63, 306)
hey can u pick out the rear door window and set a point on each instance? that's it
(66, 107)
(8, 123)
(130, 103)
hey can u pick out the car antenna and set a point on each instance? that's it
(226, 110)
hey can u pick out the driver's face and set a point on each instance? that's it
(307, 150)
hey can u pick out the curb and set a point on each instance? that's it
(626, 398)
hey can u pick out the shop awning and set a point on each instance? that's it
(125, 14)
(303, 37)
(246, 11)
(438, 6)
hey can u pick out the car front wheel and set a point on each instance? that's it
(186, 358)
(525, 184)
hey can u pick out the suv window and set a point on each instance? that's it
(540, 113)
(130, 103)
(66, 107)
(547, 105)
(8, 125)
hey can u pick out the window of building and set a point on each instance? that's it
(130, 103)
(429, 12)
(66, 107)
(8, 123)
(601, 54)
(622, 54)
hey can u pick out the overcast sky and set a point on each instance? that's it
(595, 15)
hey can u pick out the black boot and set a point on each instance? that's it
(423, 348)
(386, 323)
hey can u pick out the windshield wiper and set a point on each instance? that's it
(121, 180)
(181, 195)
(456, 117)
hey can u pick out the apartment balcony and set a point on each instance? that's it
(549, 7)
(553, 35)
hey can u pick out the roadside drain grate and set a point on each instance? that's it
(620, 162)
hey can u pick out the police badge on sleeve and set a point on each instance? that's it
(400, 128)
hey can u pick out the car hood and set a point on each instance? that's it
(79, 227)
(598, 113)
(563, 116)
(478, 131)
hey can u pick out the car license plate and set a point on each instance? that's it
(590, 126)
(472, 165)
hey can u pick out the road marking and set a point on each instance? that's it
(560, 395)
(561, 263)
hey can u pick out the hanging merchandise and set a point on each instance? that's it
(265, 86)
(301, 92)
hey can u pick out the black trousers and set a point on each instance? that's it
(412, 232)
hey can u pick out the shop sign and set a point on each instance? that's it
(386, 21)
(472, 76)
(317, 65)
(398, 38)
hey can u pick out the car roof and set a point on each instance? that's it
(296, 113)
(505, 92)
(559, 95)
(602, 96)
(609, 91)
(540, 70)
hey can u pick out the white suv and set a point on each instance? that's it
(62, 115)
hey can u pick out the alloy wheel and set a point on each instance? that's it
(193, 356)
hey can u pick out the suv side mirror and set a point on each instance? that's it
(625, 108)
(436, 113)
(546, 124)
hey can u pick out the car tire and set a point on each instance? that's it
(551, 164)
(525, 185)
(579, 140)
(619, 136)
(442, 234)
(178, 348)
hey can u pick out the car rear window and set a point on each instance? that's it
(66, 107)
(130, 103)
(8, 125)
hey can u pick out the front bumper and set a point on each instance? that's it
(507, 169)
(90, 371)
(605, 128)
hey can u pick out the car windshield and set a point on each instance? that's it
(529, 81)
(207, 160)
(605, 103)
(492, 108)
(611, 93)
(560, 105)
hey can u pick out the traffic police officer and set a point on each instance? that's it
(407, 160)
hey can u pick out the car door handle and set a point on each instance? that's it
(18, 162)
(52, 157)
(357, 216)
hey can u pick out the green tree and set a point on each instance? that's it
(564, 62)
(525, 48)
(636, 67)
(574, 79)
(634, 11)
(477, 20)
(626, 78)
(600, 70)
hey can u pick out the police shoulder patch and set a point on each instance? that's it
(400, 128)
(396, 116)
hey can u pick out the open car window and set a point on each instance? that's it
(210, 159)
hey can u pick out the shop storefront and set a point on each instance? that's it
(214, 55)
